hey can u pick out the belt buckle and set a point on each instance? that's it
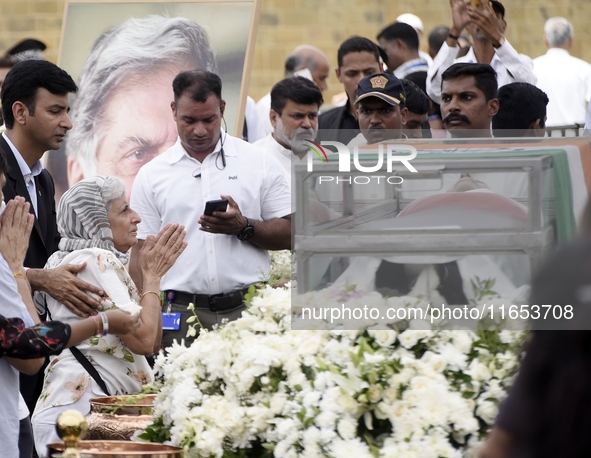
(212, 302)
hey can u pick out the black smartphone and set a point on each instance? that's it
(220, 205)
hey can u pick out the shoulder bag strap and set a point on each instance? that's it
(90, 369)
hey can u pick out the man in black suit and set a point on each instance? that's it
(358, 57)
(35, 108)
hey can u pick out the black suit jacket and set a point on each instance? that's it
(44, 236)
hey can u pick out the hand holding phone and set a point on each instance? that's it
(219, 205)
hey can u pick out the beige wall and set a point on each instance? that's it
(284, 24)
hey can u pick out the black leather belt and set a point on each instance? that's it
(215, 302)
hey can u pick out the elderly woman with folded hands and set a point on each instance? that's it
(98, 228)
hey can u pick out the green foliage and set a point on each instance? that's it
(156, 432)
(482, 288)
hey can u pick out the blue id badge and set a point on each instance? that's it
(171, 321)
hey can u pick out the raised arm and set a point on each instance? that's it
(156, 256)
(449, 50)
(16, 226)
(520, 67)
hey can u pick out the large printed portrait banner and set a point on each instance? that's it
(123, 57)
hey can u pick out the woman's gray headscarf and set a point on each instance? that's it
(82, 218)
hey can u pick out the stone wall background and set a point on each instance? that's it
(284, 24)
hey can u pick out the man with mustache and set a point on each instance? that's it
(469, 100)
(381, 109)
(295, 102)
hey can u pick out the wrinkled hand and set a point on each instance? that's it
(15, 230)
(159, 253)
(230, 222)
(487, 21)
(459, 15)
(62, 284)
(121, 323)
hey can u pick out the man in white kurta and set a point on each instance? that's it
(564, 78)
(487, 26)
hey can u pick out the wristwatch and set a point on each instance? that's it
(247, 231)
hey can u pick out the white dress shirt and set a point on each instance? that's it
(174, 187)
(12, 307)
(567, 82)
(28, 174)
(510, 66)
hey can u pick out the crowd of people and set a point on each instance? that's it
(104, 279)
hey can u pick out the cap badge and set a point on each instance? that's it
(378, 82)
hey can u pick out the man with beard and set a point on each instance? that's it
(295, 103)
(469, 100)
(486, 24)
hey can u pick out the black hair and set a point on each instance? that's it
(357, 44)
(297, 88)
(199, 84)
(416, 100)
(520, 105)
(419, 78)
(437, 36)
(24, 80)
(484, 74)
(6, 62)
(401, 31)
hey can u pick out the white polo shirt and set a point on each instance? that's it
(282, 154)
(174, 188)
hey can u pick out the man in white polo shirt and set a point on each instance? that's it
(295, 102)
(227, 251)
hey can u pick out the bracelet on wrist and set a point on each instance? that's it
(453, 36)
(103, 317)
(97, 324)
(22, 275)
(151, 292)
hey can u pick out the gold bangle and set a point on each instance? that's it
(19, 274)
(150, 292)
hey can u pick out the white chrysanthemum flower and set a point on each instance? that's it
(349, 448)
(383, 337)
